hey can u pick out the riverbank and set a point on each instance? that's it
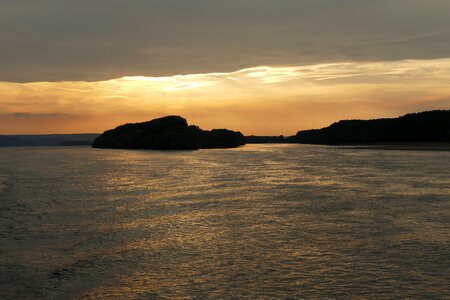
(405, 146)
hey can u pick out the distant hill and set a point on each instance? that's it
(429, 126)
(167, 133)
(46, 140)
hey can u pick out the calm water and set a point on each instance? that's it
(262, 221)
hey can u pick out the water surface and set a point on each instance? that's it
(261, 221)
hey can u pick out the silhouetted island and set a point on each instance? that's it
(167, 133)
(423, 127)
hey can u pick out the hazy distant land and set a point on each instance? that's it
(46, 140)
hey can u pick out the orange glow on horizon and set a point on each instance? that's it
(262, 100)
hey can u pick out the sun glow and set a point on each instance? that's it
(259, 100)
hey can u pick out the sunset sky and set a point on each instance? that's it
(266, 67)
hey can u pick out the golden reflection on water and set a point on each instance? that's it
(266, 221)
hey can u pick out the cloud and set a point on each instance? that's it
(58, 40)
(25, 115)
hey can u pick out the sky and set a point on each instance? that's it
(266, 67)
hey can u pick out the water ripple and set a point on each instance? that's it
(261, 221)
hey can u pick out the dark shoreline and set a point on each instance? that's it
(405, 146)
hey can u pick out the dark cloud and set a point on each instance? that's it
(102, 39)
(25, 115)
